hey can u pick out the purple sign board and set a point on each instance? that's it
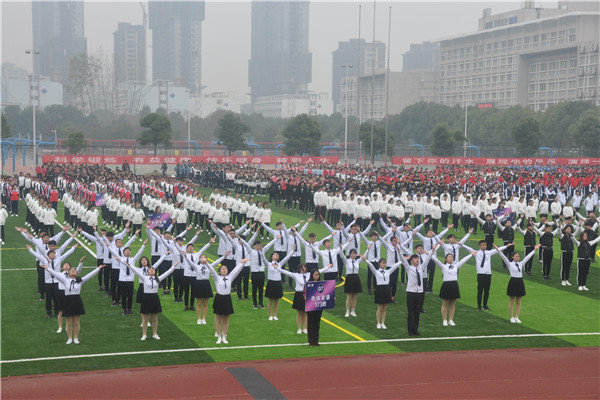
(320, 295)
(159, 220)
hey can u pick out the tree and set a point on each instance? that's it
(378, 139)
(527, 136)
(91, 81)
(557, 119)
(302, 134)
(5, 127)
(158, 131)
(444, 141)
(75, 142)
(231, 131)
(586, 132)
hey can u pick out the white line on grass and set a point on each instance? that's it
(420, 339)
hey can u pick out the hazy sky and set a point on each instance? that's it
(226, 32)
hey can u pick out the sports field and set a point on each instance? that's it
(552, 315)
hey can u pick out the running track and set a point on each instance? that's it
(549, 373)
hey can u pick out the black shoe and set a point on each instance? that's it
(186, 308)
(129, 312)
(423, 311)
(240, 298)
(417, 334)
(100, 289)
(246, 298)
(261, 307)
(478, 308)
(402, 284)
(395, 301)
(124, 312)
(48, 315)
(164, 292)
(42, 298)
(486, 308)
(114, 304)
(192, 308)
(255, 307)
(107, 294)
(411, 334)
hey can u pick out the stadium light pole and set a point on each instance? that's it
(346, 67)
(33, 54)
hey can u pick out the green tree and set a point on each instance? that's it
(75, 142)
(444, 140)
(557, 119)
(158, 131)
(586, 132)
(302, 134)
(231, 131)
(5, 127)
(527, 136)
(378, 139)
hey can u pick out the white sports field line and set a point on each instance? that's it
(420, 339)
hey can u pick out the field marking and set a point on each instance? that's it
(419, 339)
(332, 324)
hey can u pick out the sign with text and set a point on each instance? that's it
(501, 162)
(320, 295)
(159, 220)
(503, 215)
(173, 160)
(100, 200)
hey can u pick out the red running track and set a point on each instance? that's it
(549, 373)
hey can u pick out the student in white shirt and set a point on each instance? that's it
(352, 285)
(516, 287)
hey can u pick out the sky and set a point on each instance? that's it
(226, 32)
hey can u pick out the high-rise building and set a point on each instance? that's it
(531, 57)
(347, 54)
(422, 56)
(58, 34)
(280, 62)
(130, 53)
(177, 42)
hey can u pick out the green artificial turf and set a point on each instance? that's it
(548, 308)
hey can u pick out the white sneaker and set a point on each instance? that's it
(143, 337)
(568, 283)
(383, 326)
(517, 320)
(585, 288)
(216, 334)
(451, 323)
(199, 322)
(444, 323)
(59, 330)
(156, 337)
(513, 321)
(224, 339)
(271, 318)
(203, 322)
(299, 332)
(347, 314)
(149, 324)
(277, 319)
(353, 313)
(219, 340)
(69, 341)
(304, 330)
(378, 326)
(580, 288)
(563, 283)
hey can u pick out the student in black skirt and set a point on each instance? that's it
(383, 294)
(144, 265)
(73, 306)
(299, 303)
(516, 287)
(60, 298)
(313, 318)
(450, 292)
(352, 284)
(201, 288)
(151, 302)
(274, 290)
(222, 305)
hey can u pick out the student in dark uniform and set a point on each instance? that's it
(313, 318)
(585, 255)
(73, 307)
(516, 287)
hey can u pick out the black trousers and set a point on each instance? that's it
(370, 277)
(126, 289)
(529, 263)
(107, 268)
(2, 237)
(102, 272)
(430, 275)
(489, 241)
(394, 281)
(455, 218)
(115, 289)
(178, 283)
(583, 267)
(340, 263)
(293, 263)
(444, 219)
(51, 292)
(258, 283)
(484, 282)
(242, 280)
(313, 325)
(40, 280)
(547, 255)
(187, 283)
(414, 304)
(164, 267)
(566, 261)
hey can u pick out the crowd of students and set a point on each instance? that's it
(366, 210)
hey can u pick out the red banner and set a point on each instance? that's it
(118, 160)
(494, 161)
